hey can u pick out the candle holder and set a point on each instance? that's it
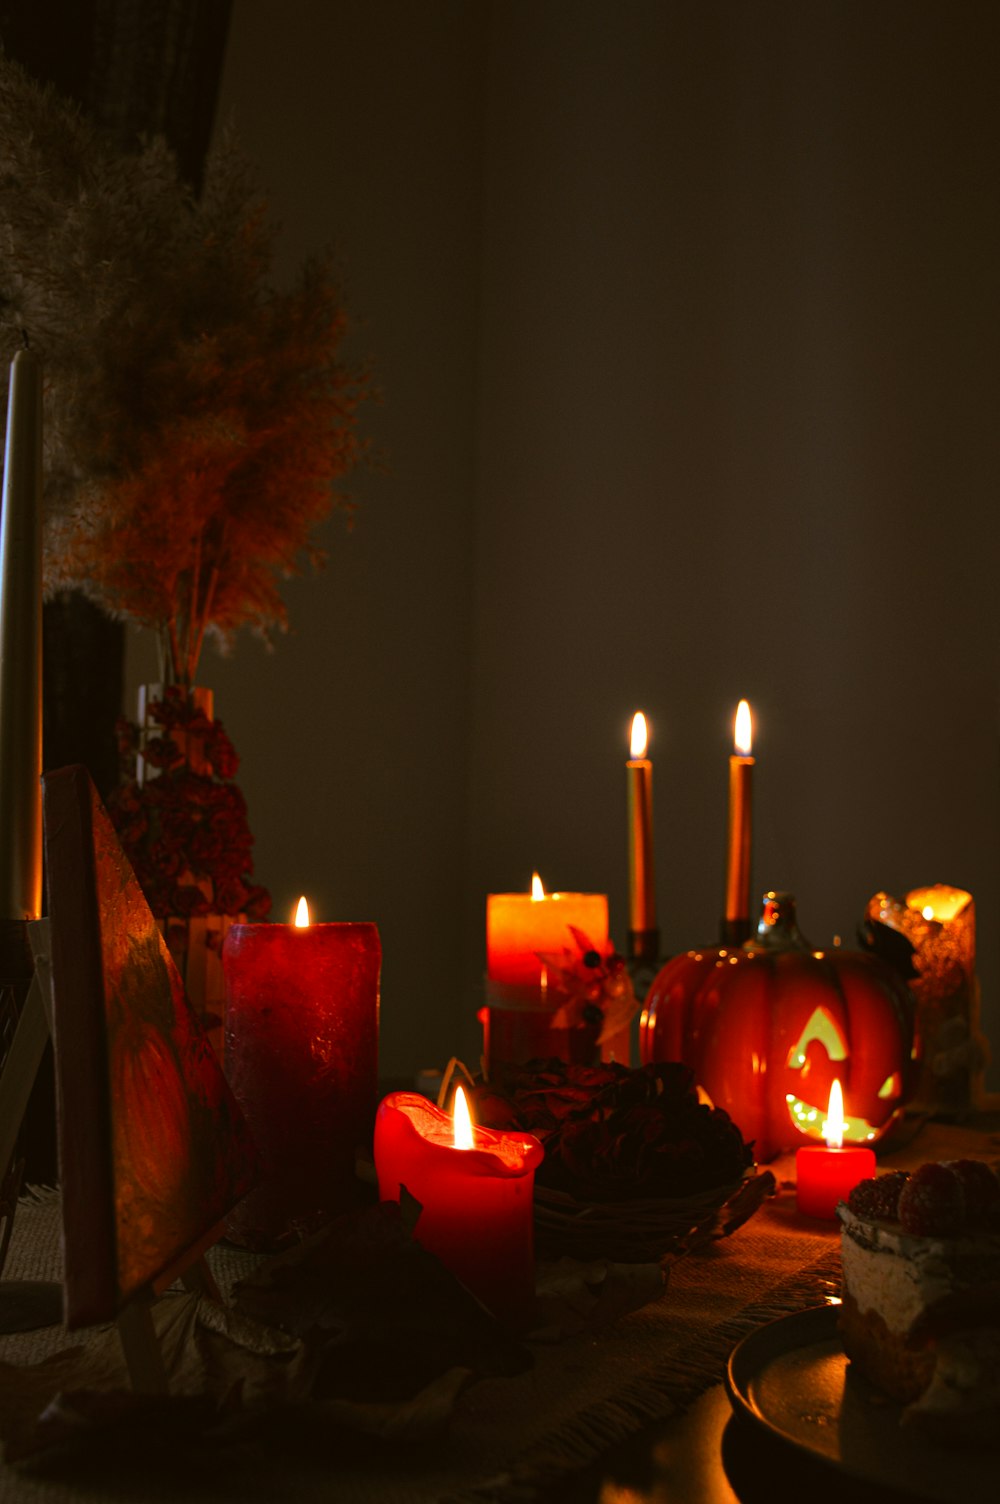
(939, 923)
(735, 931)
(582, 1013)
(519, 1025)
(644, 963)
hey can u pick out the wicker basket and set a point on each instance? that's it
(638, 1232)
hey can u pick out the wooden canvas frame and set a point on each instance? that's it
(153, 1149)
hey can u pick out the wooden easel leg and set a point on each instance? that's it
(142, 1350)
(21, 1067)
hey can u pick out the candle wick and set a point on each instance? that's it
(27, 341)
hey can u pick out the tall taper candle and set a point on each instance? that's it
(737, 925)
(21, 646)
(642, 932)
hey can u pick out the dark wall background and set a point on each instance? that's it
(685, 317)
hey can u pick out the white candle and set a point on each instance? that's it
(21, 646)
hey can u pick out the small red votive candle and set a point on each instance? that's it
(477, 1202)
(826, 1174)
(301, 1057)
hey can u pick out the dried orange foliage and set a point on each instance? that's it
(197, 417)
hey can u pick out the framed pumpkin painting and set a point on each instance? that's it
(153, 1149)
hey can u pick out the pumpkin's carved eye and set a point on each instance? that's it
(822, 1027)
(891, 1088)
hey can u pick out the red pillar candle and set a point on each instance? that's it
(301, 1056)
(477, 1201)
(826, 1174)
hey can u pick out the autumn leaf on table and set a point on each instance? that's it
(219, 1366)
(385, 1315)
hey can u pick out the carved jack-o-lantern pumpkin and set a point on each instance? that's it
(769, 1026)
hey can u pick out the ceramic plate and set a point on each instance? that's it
(791, 1377)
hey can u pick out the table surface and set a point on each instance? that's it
(633, 1413)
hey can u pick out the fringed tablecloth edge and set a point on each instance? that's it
(653, 1395)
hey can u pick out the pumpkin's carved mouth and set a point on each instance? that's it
(808, 1119)
(820, 1044)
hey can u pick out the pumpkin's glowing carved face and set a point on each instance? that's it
(818, 1057)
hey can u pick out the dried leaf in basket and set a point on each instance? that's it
(614, 1134)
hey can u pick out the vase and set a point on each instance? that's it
(194, 940)
(192, 747)
(195, 946)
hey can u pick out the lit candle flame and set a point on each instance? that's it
(537, 891)
(833, 1124)
(640, 736)
(462, 1122)
(743, 737)
(302, 915)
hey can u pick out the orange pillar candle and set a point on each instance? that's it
(519, 925)
(643, 936)
(476, 1192)
(826, 1175)
(737, 925)
(301, 1057)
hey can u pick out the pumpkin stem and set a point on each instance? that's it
(778, 927)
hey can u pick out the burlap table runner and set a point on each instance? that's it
(509, 1435)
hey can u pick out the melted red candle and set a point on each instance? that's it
(477, 1204)
(826, 1175)
(302, 1060)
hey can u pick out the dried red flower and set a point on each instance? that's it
(186, 833)
(613, 1134)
